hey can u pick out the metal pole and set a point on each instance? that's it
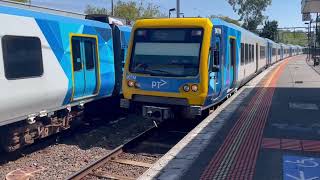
(112, 11)
(178, 8)
(316, 35)
(309, 41)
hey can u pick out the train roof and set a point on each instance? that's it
(218, 21)
(125, 28)
(47, 16)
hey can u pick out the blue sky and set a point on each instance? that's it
(286, 12)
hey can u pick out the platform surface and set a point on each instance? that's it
(269, 130)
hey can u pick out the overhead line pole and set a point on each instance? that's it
(178, 8)
(112, 11)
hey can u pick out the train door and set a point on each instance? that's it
(257, 57)
(85, 65)
(215, 63)
(233, 59)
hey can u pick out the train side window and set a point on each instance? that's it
(262, 52)
(76, 54)
(22, 57)
(252, 53)
(90, 53)
(249, 61)
(242, 53)
(247, 53)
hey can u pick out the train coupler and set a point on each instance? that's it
(157, 114)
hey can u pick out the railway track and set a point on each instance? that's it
(132, 159)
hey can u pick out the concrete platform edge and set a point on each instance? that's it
(178, 160)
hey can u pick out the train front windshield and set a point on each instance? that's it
(166, 52)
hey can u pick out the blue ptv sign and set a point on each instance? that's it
(301, 168)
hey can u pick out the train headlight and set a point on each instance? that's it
(194, 88)
(186, 88)
(137, 85)
(131, 83)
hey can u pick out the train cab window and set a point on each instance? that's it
(246, 53)
(90, 53)
(22, 57)
(242, 54)
(76, 54)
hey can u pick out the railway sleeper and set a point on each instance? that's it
(21, 134)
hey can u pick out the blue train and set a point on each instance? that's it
(52, 66)
(186, 66)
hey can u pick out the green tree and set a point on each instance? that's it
(250, 12)
(227, 19)
(129, 10)
(150, 11)
(270, 30)
(22, 1)
(95, 10)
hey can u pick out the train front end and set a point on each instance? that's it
(166, 71)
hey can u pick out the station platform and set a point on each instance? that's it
(268, 130)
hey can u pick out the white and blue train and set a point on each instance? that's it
(50, 67)
(187, 66)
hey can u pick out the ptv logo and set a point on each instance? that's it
(158, 84)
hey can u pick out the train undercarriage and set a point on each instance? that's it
(24, 133)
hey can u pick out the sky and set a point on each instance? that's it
(286, 12)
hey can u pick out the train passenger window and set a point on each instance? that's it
(247, 53)
(76, 54)
(90, 52)
(274, 51)
(242, 53)
(252, 51)
(22, 57)
(262, 52)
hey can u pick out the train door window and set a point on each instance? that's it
(232, 52)
(246, 53)
(22, 57)
(90, 53)
(76, 54)
(250, 53)
(257, 54)
(242, 53)
(216, 61)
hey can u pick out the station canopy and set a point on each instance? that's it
(310, 6)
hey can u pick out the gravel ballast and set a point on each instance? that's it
(71, 153)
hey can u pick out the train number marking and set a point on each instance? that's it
(158, 84)
(131, 77)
